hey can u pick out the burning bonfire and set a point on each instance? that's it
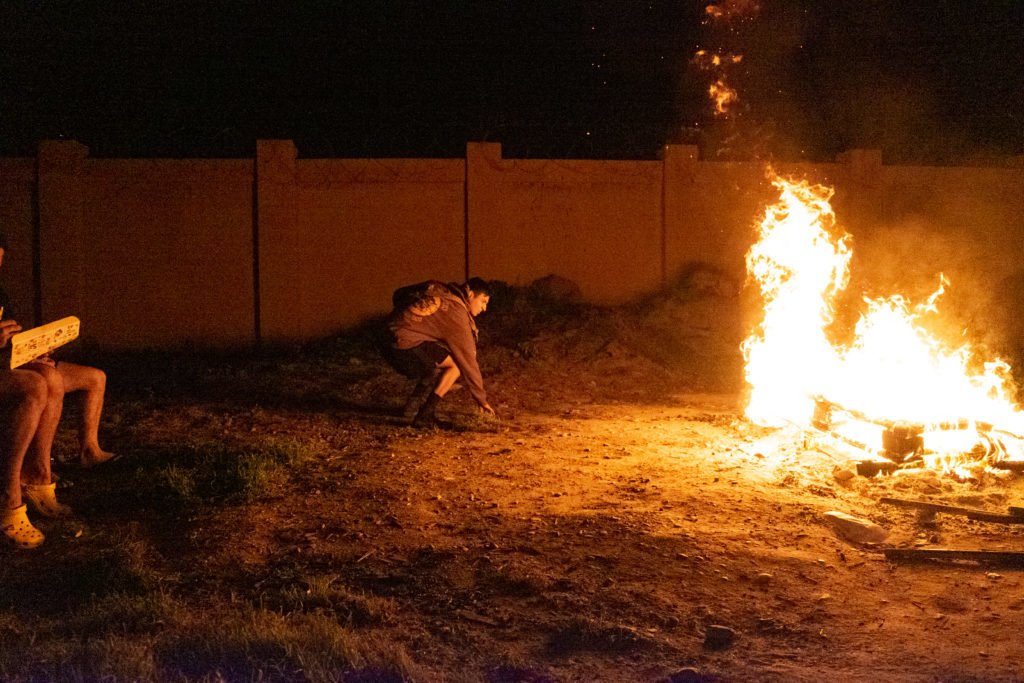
(893, 396)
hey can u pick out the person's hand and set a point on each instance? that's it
(487, 409)
(8, 328)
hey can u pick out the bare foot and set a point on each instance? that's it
(90, 457)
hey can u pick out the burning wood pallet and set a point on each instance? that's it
(889, 445)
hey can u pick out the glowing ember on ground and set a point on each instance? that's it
(894, 382)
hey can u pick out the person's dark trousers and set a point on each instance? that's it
(419, 394)
(425, 416)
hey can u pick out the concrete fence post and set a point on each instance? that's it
(278, 268)
(863, 166)
(679, 164)
(482, 158)
(60, 241)
(861, 196)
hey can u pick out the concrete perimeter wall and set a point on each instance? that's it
(17, 219)
(598, 223)
(146, 253)
(338, 236)
(228, 253)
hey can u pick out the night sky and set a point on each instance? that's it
(928, 81)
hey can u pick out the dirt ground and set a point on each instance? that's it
(618, 510)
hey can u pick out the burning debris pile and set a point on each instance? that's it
(895, 395)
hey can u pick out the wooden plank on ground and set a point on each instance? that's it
(971, 513)
(1000, 558)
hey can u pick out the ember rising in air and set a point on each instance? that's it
(718, 63)
(893, 372)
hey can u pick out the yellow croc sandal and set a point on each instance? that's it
(43, 499)
(18, 530)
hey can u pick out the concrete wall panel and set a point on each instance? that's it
(366, 227)
(712, 209)
(17, 210)
(597, 223)
(164, 253)
(150, 253)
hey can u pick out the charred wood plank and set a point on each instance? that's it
(970, 513)
(869, 468)
(1000, 558)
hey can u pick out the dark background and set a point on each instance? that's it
(927, 82)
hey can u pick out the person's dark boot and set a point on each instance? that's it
(425, 416)
(419, 394)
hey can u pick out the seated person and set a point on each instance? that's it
(30, 408)
(433, 340)
(69, 378)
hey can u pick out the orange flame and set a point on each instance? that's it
(724, 12)
(722, 95)
(799, 266)
(893, 370)
(710, 61)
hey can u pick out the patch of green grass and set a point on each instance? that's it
(325, 595)
(112, 658)
(109, 637)
(79, 578)
(177, 482)
(191, 474)
(120, 569)
(125, 613)
(262, 645)
(157, 638)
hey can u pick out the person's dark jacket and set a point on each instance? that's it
(436, 312)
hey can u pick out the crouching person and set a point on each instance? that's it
(30, 408)
(434, 339)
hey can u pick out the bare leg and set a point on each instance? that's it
(449, 375)
(36, 468)
(92, 382)
(23, 394)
